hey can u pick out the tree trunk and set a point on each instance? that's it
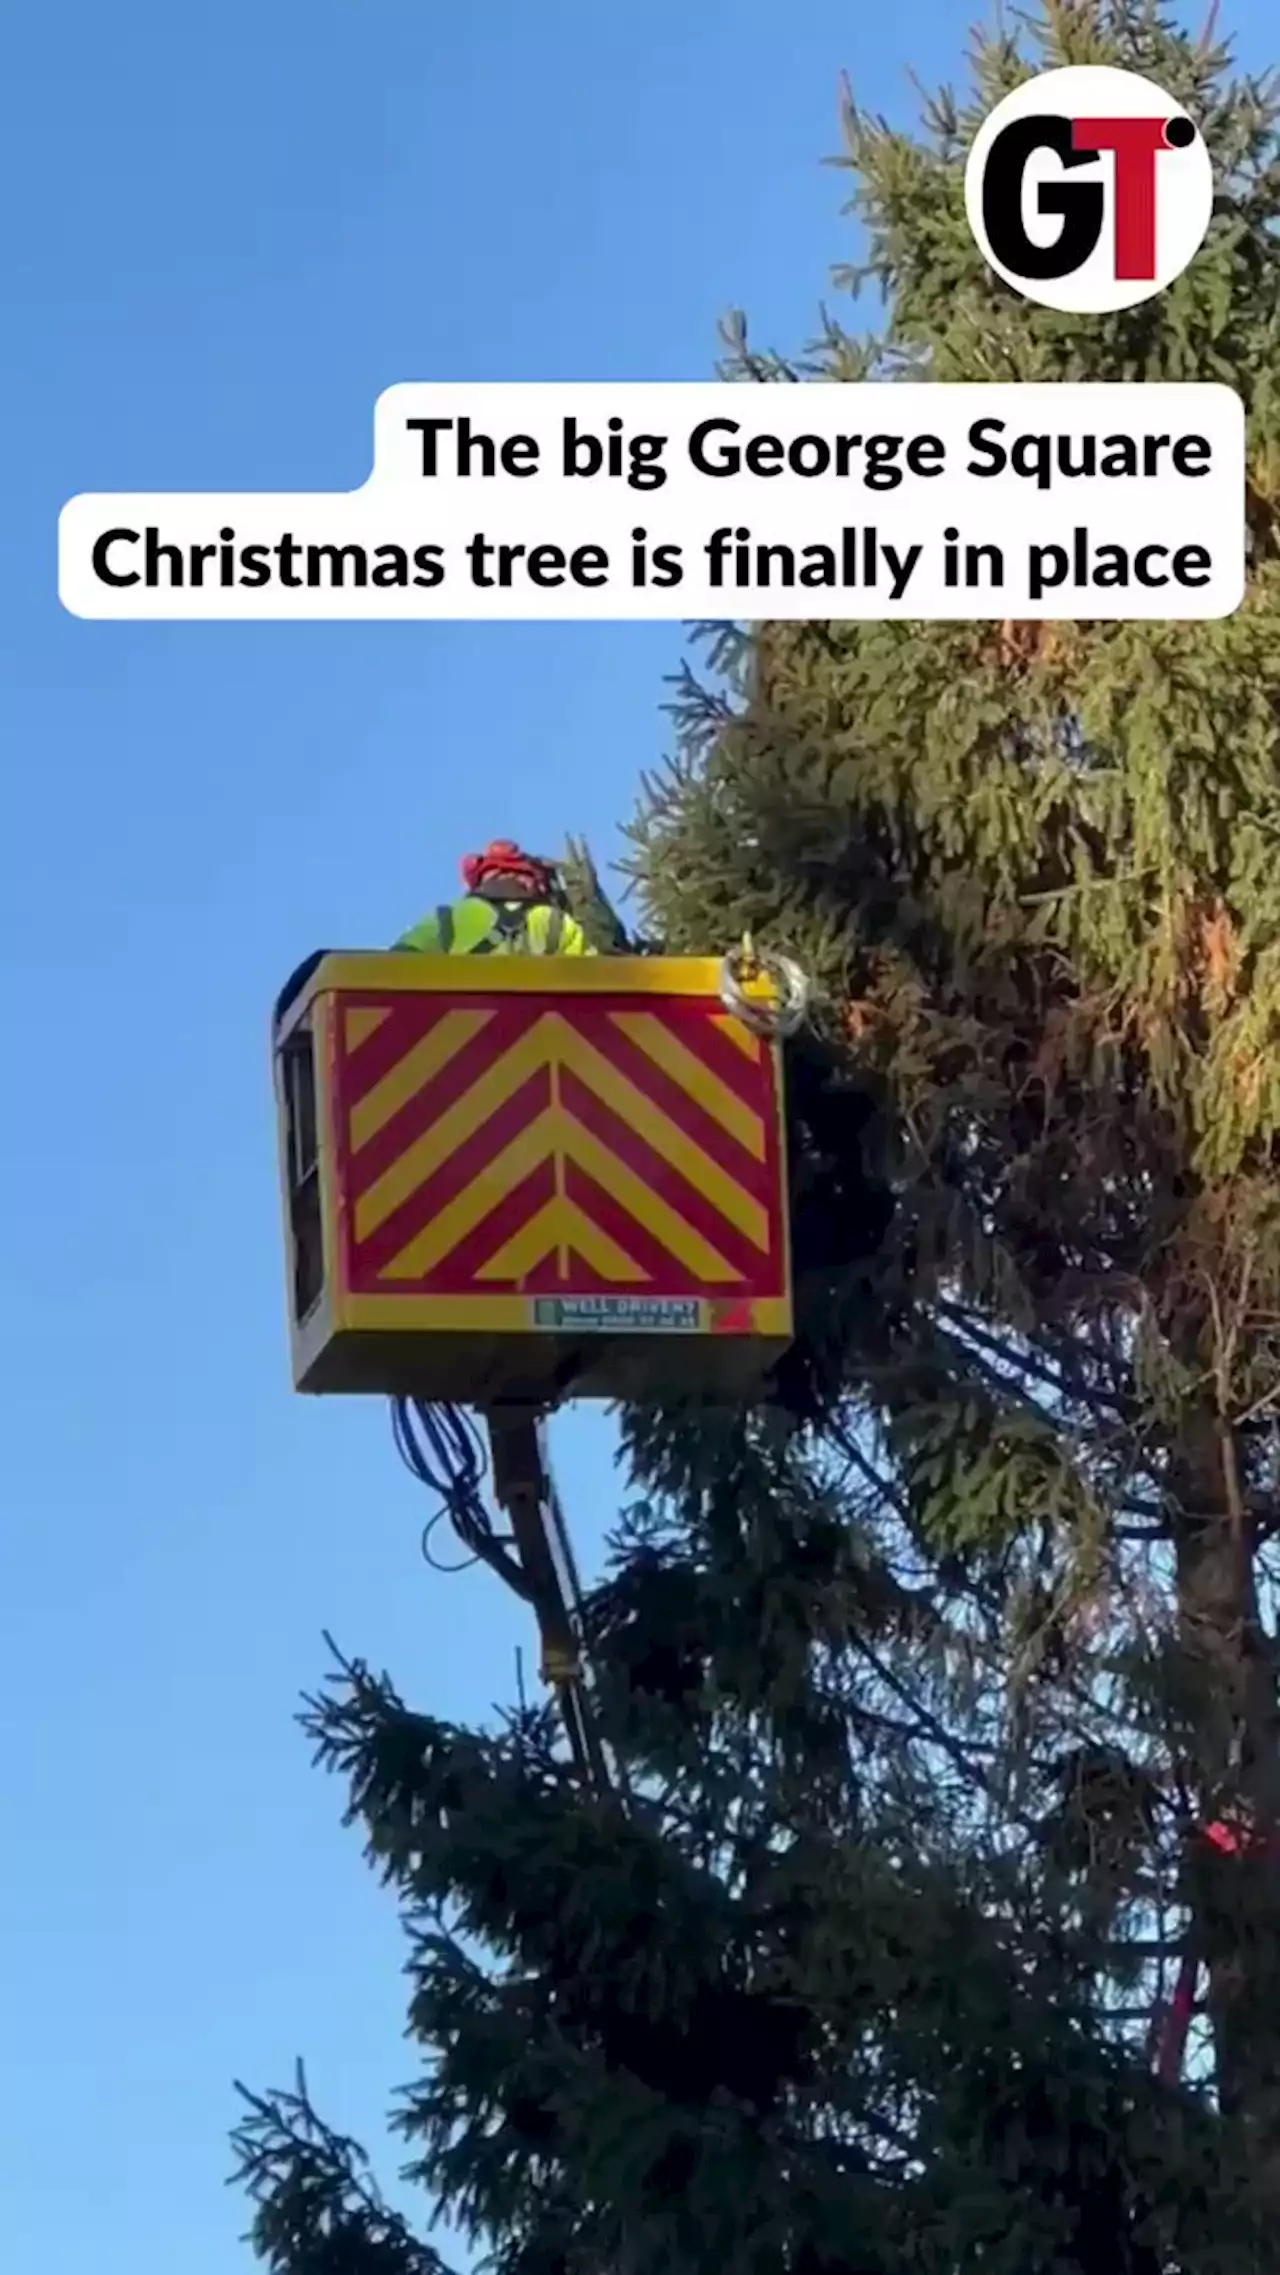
(1229, 1669)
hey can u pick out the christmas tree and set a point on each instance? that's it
(944, 1686)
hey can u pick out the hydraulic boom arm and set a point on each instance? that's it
(523, 1488)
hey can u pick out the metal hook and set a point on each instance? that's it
(787, 1010)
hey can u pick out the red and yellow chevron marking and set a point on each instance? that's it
(498, 1145)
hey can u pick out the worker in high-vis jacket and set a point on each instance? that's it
(514, 906)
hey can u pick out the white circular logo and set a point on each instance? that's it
(1089, 190)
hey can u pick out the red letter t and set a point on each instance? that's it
(1136, 143)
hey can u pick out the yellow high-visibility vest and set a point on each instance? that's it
(476, 927)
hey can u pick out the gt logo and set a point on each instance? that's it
(1088, 190)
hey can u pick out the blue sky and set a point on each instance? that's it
(224, 233)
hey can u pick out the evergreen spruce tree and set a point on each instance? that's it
(928, 1679)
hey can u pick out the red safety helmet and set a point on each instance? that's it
(502, 859)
